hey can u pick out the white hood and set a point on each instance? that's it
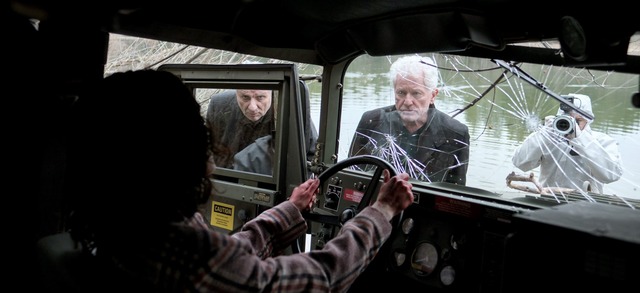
(582, 102)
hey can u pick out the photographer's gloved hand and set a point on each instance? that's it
(575, 133)
(548, 121)
(578, 131)
(584, 141)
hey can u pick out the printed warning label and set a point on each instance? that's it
(222, 215)
(353, 195)
(458, 207)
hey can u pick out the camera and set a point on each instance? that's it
(564, 124)
(564, 107)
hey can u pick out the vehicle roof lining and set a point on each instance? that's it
(333, 31)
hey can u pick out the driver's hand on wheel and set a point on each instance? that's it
(304, 195)
(395, 195)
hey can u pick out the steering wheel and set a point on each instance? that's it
(370, 188)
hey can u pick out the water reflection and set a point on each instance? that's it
(502, 119)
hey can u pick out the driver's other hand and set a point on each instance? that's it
(304, 195)
(395, 194)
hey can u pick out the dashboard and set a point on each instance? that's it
(459, 239)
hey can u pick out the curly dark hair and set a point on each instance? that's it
(137, 158)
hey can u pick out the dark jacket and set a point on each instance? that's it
(438, 151)
(231, 130)
(257, 157)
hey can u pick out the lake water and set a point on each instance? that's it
(500, 121)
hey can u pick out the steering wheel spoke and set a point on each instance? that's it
(347, 213)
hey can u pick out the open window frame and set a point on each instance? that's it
(241, 191)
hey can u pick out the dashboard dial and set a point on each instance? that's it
(447, 275)
(407, 226)
(424, 259)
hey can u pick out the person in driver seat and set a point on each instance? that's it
(135, 205)
(581, 159)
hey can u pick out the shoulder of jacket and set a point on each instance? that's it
(222, 100)
(452, 124)
(378, 112)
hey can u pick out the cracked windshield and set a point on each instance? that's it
(513, 129)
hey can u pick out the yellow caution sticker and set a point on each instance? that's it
(222, 215)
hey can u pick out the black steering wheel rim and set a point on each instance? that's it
(366, 198)
(370, 187)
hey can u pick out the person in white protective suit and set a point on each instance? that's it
(570, 154)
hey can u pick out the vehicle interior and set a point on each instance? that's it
(505, 66)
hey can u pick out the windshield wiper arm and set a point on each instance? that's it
(526, 77)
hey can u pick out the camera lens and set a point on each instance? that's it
(563, 124)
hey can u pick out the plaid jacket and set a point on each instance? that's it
(195, 258)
